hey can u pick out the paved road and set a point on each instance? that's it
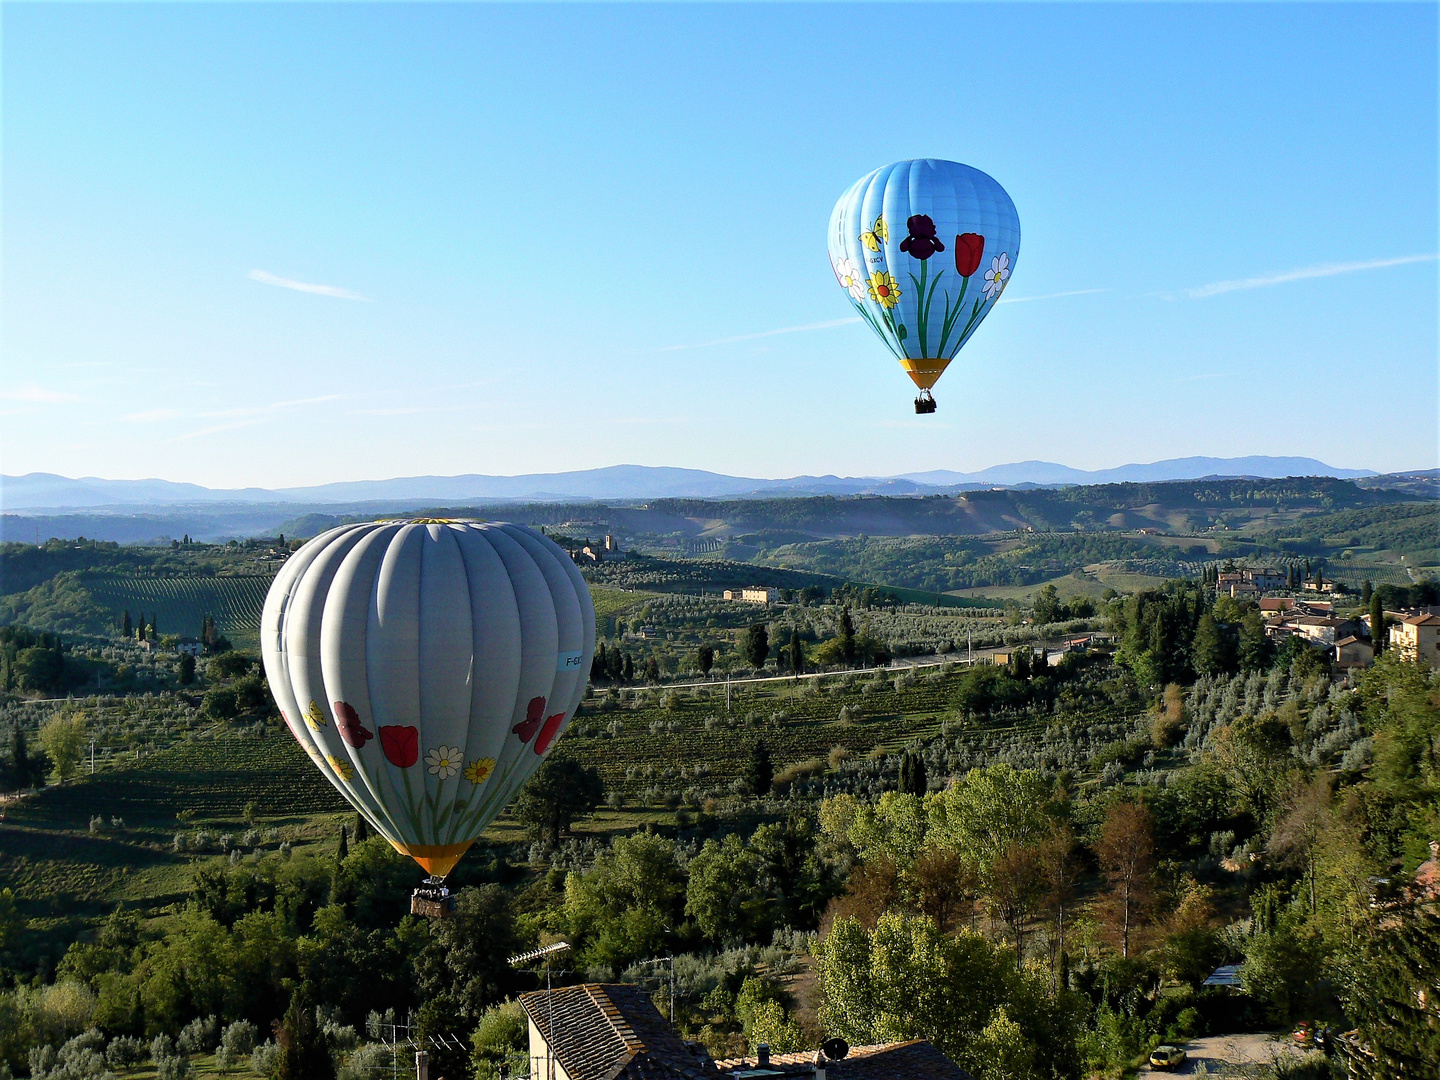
(1230, 1055)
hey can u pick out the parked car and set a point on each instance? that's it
(1166, 1057)
(1304, 1033)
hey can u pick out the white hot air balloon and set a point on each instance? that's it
(427, 666)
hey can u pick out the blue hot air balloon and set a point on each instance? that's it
(924, 248)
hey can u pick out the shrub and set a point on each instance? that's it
(125, 1051)
(265, 1058)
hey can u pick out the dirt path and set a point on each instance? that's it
(1231, 1055)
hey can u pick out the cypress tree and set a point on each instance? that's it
(1377, 624)
(125, 628)
(847, 636)
(303, 1053)
(913, 780)
(797, 652)
(1366, 591)
(20, 758)
(343, 850)
(759, 771)
(362, 830)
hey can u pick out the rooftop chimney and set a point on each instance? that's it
(762, 1055)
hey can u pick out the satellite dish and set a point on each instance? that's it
(835, 1049)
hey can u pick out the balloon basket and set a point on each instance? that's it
(432, 900)
(924, 403)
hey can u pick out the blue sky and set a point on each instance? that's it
(539, 238)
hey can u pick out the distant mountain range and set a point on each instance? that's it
(47, 491)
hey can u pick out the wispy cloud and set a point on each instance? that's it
(266, 278)
(831, 324)
(1215, 288)
(1048, 296)
(151, 417)
(216, 429)
(37, 395)
(250, 415)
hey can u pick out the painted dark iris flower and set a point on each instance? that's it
(534, 717)
(922, 241)
(347, 722)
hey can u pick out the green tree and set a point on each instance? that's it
(500, 1042)
(987, 810)
(1255, 649)
(847, 636)
(913, 780)
(560, 791)
(187, 669)
(63, 737)
(1366, 591)
(1212, 649)
(797, 652)
(627, 905)
(726, 893)
(757, 645)
(759, 771)
(1377, 624)
(125, 628)
(705, 658)
(40, 670)
(304, 1049)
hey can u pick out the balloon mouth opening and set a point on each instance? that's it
(436, 859)
(925, 373)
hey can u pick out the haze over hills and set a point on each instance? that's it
(47, 491)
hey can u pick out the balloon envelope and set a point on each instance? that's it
(427, 667)
(924, 249)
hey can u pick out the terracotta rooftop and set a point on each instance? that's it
(1421, 620)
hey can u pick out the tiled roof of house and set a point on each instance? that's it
(612, 1031)
(1421, 620)
(915, 1060)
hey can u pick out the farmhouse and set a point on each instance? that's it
(753, 594)
(1417, 637)
(1353, 652)
(612, 1031)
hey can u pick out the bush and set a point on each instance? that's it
(199, 1036)
(236, 1044)
(265, 1058)
(125, 1051)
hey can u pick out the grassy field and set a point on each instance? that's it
(180, 603)
(610, 601)
(1097, 580)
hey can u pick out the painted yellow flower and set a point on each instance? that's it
(479, 770)
(314, 717)
(883, 289)
(343, 769)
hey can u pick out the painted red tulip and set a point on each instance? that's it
(347, 722)
(969, 250)
(548, 732)
(534, 714)
(401, 744)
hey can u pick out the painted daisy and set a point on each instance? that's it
(848, 274)
(997, 275)
(444, 761)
